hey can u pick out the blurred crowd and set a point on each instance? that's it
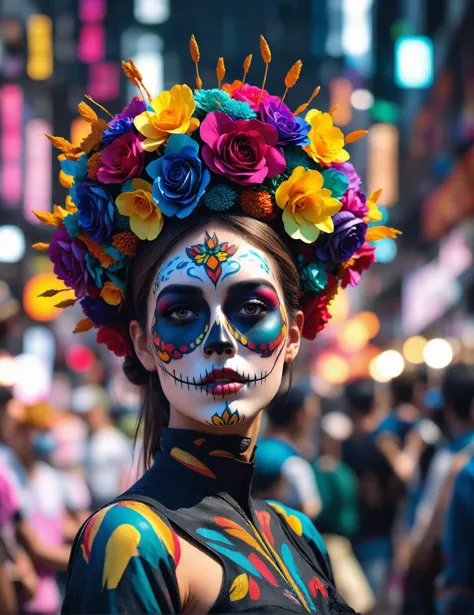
(391, 491)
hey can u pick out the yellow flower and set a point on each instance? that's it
(327, 141)
(111, 294)
(146, 219)
(307, 206)
(374, 215)
(172, 111)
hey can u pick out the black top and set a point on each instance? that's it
(273, 558)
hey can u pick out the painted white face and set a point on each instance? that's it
(219, 330)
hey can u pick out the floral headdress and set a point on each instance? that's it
(233, 148)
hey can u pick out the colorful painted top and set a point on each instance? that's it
(273, 558)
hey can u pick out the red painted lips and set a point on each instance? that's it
(223, 381)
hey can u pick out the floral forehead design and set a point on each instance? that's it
(235, 148)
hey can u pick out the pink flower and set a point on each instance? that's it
(123, 159)
(350, 271)
(244, 151)
(251, 95)
(355, 202)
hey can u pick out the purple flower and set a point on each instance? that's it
(68, 257)
(347, 238)
(291, 130)
(100, 312)
(117, 129)
(355, 180)
(355, 202)
(95, 211)
(133, 109)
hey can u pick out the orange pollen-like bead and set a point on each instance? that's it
(126, 242)
(257, 204)
(93, 165)
(97, 251)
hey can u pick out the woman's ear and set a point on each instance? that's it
(142, 349)
(294, 338)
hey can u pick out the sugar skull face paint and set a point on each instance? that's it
(218, 327)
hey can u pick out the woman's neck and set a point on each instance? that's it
(247, 429)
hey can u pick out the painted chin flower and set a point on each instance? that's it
(179, 177)
(146, 219)
(68, 256)
(243, 151)
(251, 95)
(348, 237)
(326, 141)
(291, 130)
(308, 207)
(123, 159)
(350, 272)
(171, 113)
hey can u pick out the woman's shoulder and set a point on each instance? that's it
(127, 553)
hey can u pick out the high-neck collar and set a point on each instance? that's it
(209, 463)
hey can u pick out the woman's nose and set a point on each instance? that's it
(219, 341)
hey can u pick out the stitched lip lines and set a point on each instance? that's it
(205, 381)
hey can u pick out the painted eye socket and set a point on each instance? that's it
(252, 308)
(181, 314)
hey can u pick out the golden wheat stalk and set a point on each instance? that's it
(292, 77)
(220, 71)
(267, 58)
(305, 105)
(247, 63)
(196, 56)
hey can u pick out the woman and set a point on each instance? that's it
(174, 244)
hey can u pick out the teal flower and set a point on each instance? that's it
(313, 276)
(95, 269)
(220, 197)
(336, 182)
(72, 224)
(295, 157)
(78, 170)
(217, 100)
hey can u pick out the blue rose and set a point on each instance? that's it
(179, 177)
(95, 210)
(292, 130)
(117, 128)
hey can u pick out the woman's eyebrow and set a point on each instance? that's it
(246, 286)
(181, 289)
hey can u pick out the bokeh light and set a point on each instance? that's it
(413, 349)
(333, 368)
(389, 364)
(43, 308)
(12, 244)
(79, 358)
(339, 308)
(438, 353)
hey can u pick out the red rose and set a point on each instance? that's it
(350, 271)
(316, 314)
(116, 339)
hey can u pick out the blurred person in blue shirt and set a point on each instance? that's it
(458, 547)
(281, 472)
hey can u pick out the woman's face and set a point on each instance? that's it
(218, 329)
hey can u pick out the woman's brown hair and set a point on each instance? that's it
(154, 411)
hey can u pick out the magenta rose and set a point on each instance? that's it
(244, 151)
(68, 256)
(355, 202)
(251, 95)
(123, 159)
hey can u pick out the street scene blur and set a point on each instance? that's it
(373, 436)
